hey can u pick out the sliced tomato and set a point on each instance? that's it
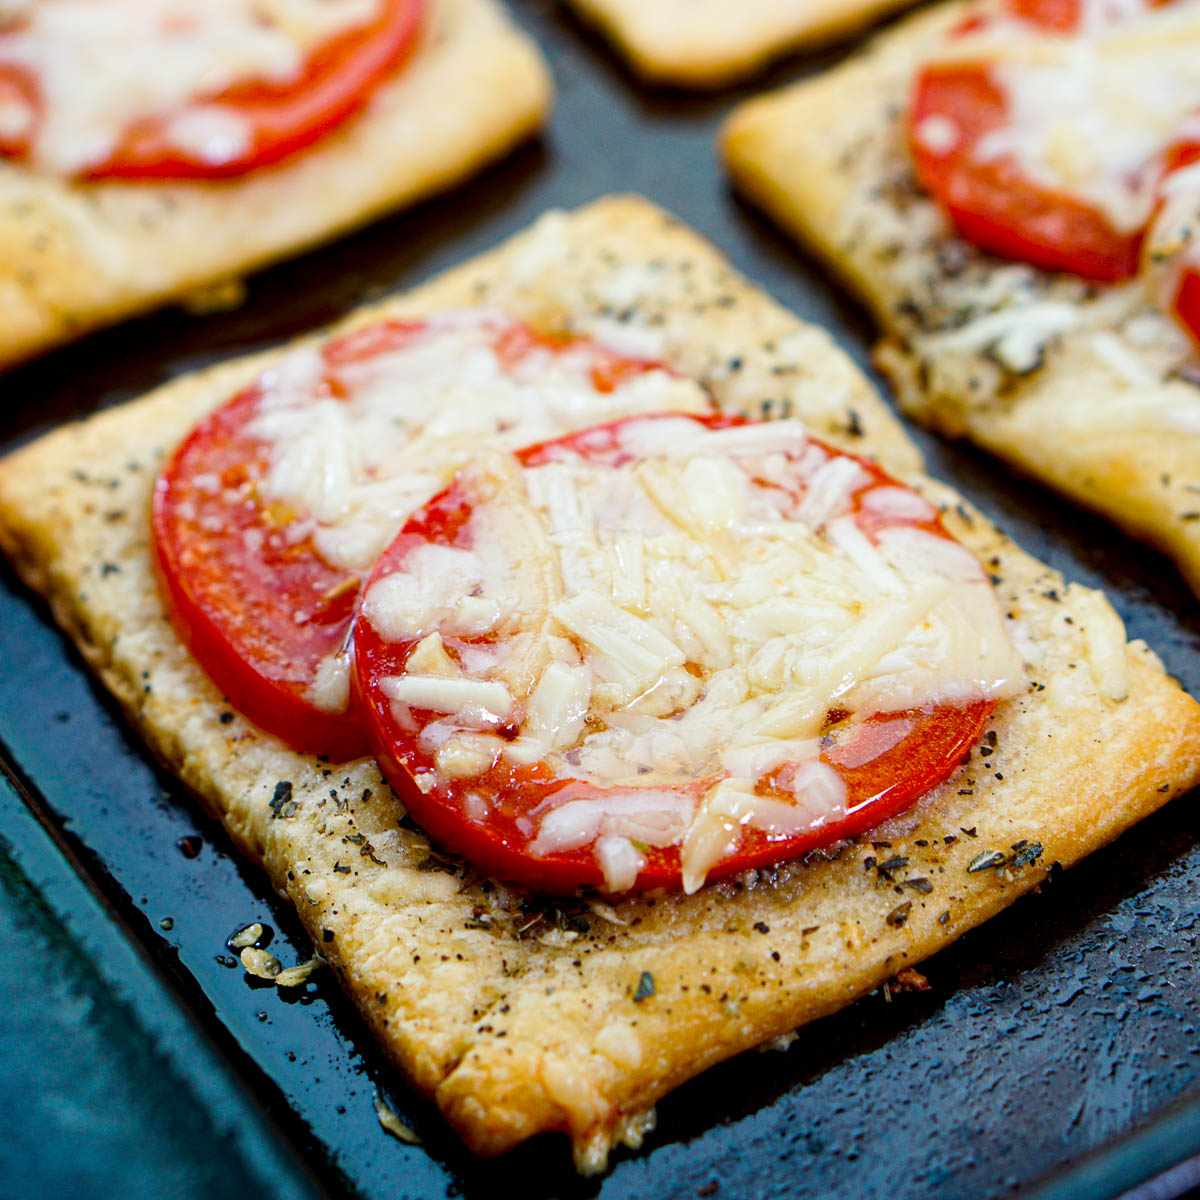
(991, 202)
(257, 605)
(1187, 302)
(337, 79)
(889, 761)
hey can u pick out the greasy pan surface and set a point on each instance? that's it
(1060, 1025)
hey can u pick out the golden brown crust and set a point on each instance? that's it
(1101, 407)
(76, 256)
(708, 43)
(519, 1017)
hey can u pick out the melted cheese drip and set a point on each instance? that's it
(101, 65)
(700, 625)
(1091, 112)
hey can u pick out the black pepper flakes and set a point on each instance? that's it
(899, 914)
(761, 927)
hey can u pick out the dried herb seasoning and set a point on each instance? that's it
(986, 859)
(282, 804)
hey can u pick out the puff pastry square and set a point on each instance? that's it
(74, 256)
(518, 1016)
(1089, 388)
(708, 43)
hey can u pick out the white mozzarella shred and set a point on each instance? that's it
(1091, 112)
(655, 817)
(757, 759)
(466, 755)
(620, 861)
(630, 652)
(408, 603)
(846, 535)
(330, 688)
(716, 491)
(939, 134)
(102, 65)
(802, 711)
(554, 714)
(448, 695)
(429, 657)
(211, 132)
(715, 831)
(897, 504)
(820, 791)
(683, 438)
(1016, 335)
(917, 553)
(830, 490)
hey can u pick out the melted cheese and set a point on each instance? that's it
(710, 601)
(101, 65)
(358, 466)
(1091, 112)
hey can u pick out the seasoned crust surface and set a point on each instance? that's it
(76, 256)
(707, 43)
(1103, 404)
(519, 1017)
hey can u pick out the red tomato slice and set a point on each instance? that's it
(1187, 302)
(992, 204)
(337, 79)
(916, 755)
(260, 608)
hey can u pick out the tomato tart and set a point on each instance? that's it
(160, 150)
(1016, 195)
(649, 669)
(711, 43)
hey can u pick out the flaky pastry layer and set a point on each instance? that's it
(518, 1016)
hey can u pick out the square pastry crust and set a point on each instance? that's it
(518, 1016)
(1089, 388)
(708, 43)
(74, 256)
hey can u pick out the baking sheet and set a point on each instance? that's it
(1060, 1026)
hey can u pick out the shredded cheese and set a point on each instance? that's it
(710, 600)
